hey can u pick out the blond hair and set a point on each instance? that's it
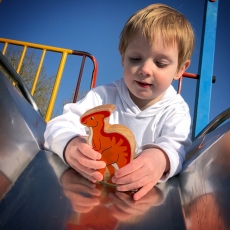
(160, 19)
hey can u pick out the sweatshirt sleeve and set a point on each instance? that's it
(174, 139)
(63, 128)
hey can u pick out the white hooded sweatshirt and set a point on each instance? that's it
(164, 125)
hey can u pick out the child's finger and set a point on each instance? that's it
(81, 209)
(133, 185)
(93, 177)
(143, 191)
(132, 177)
(87, 151)
(88, 162)
(87, 171)
(128, 207)
(128, 169)
(118, 213)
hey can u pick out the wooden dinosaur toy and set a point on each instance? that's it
(115, 142)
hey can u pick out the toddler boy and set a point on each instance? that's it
(156, 45)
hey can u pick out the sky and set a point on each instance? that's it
(95, 26)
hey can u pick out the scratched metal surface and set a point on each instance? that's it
(40, 192)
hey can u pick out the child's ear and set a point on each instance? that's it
(182, 69)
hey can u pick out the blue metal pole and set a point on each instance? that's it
(204, 84)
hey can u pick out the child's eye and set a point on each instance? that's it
(134, 59)
(161, 64)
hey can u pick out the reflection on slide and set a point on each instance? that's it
(101, 207)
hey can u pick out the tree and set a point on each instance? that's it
(80, 96)
(28, 72)
(45, 83)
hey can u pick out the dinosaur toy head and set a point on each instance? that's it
(92, 120)
(92, 117)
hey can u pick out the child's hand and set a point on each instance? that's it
(74, 185)
(124, 208)
(143, 172)
(80, 156)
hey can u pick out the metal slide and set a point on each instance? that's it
(38, 191)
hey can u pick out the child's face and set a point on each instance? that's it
(149, 69)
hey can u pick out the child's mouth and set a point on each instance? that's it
(143, 85)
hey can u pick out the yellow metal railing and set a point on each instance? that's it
(65, 53)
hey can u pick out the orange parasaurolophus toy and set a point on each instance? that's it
(115, 142)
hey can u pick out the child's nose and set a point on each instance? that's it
(146, 68)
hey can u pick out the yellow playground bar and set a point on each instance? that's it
(64, 53)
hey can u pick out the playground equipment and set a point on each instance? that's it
(38, 191)
(65, 53)
(204, 77)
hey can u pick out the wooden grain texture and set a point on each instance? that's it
(115, 142)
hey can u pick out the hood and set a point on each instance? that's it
(169, 98)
